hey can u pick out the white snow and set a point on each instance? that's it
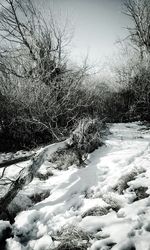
(76, 190)
(45, 242)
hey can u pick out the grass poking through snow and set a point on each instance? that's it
(73, 238)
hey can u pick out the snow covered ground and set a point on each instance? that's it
(109, 198)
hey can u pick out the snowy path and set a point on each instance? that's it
(116, 180)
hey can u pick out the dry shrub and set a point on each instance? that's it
(73, 238)
(64, 158)
(96, 211)
(37, 197)
(141, 193)
(112, 201)
(87, 137)
(88, 134)
(44, 176)
(123, 181)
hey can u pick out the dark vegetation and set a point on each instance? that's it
(141, 193)
(6, 232)
(43, 97)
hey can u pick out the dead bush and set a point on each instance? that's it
(87, 137)
(123, 181)
(96, 211)
(73, 238)
(64, 158)
(44, 176)
(112, 201)
(89, 134)
(37, 197)
(141, 193)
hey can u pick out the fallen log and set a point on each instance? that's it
(26, 175)
(16, 160)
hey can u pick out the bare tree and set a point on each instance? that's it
(30, 46)
(139, 12)
(43, 96)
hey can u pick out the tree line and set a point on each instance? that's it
(43, 97)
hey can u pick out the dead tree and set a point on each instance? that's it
(139, 32)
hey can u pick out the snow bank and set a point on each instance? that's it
(73, 192)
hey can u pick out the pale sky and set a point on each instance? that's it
(97, 25)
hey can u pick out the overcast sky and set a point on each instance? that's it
(97, 25)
